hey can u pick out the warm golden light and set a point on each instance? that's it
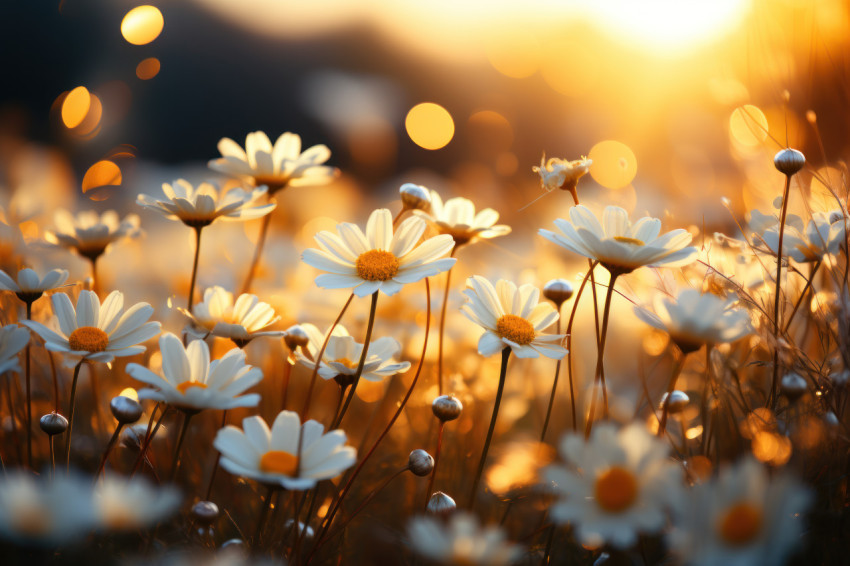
(75, 107)
(614, 164)
(142, 25)
(129, 393)
(148, 69)
(100, 175)
(515, 54)
(429, 125)
(748, 125)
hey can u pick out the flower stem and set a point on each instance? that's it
(263, 514)
(436, 462)
(599, 376)
(258, 253)
(674, 376)
(29, 393)
(109, 447)
(570, 343)
(366, 502)
(318, 361)
(187, 417)
(554, 388)
(94, 275)
(52, 457)
(146, 442)
(776, 322)
(363, 354)
(194, 267)
(217, 460)
(506, 354)
(443, 328)
(809, 283)
(71, 416)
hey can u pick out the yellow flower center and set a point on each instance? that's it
(88, 339)
(347, 363)
(616, 489)
(186, 385)
(377, 265)
(279, 462)
(740, 524)
(633, 241)
(516, 329)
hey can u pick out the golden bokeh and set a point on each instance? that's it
(614, 164)
(100, 176)
(75, 107)
(148, 69)
(142, 25)
(515, 54)
(748, 125)
(429, 125)
(129, 393)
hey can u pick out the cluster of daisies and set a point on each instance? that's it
(613, 484)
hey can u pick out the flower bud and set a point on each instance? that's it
(53, 424)
(447, 407)
(415, 197)
(205, 512)
(289, 524)
(296, 336)
(789, 161)
(793, 386)
(125, 410)
(678, 401)
(420, 462)
(558, 291)
(441, 504)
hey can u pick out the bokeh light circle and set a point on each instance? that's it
(75, 107)
(614, 164)
(429, 125)
(148, 69)
(748, 125)
(142, 24)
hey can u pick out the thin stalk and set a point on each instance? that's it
(95, 286)
(29, 393)
(549, 538)
(776, 322)
(187, 417)
(570, 343)
(599, 376)
(108, 450)
(809, 283)
(305, 410)
(255, 542)
(441, 335)
(10, 404)
(258, 253)
(503, 371)
(296, 527)
(287, 373)
(371, 324)
(71, 416)
(436, 462)
(554, 386)
(55, 382)
(52, 457)
(217, 460)
(339, 402)
(191, 299)
(674, 376)
(366, 502)
(149, 438)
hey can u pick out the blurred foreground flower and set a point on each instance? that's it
(512, 318)
(823, 235)
(461, 540)
(742, 517)
(380, 259)
(200, 206)
(241, 321)
(132, 504)
(13, 339)
(615, 486)
(272, 457)
(28, 286)
(90, 234)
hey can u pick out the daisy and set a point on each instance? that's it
(380, 259)
(277, 166)
(89, 233)
(13, 339)
(97, 332)
(272, 457)
(458, 219)
(693, 319)
(241, 321)
(461, 540)
(29, 287)
(741, 517)
(619, 245)
(822, 236)
(200, 206)
(130, 505)
(191, 382)
(512, 318)
(342, 354)
(560, 173)
(614, 486)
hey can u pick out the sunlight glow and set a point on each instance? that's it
(429, 125)
(142, 25)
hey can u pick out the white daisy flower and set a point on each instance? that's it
(39, 511)
(560, 173)
(132, 504)
(90, 233)
(512, 317)
(29, 286)
(271, 456)
(461, 540)
(241, 321)
(276, 166)
(192, 382)
(13, 339)
(823, 235)
(457, 218)
(380, 259)
(693, 319)
(200, 206)
(97, 332)
(618, 244)
(342, 354)
(740, 518)
(615, 486)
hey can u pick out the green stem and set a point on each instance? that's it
(71, 416)
(506, 354)
(194, 267)
(599, 375)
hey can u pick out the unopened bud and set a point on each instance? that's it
(125, 410)
(793, 386)
(296, 336)
(678, 401)
(789, 161)
(205, 512)
(420, 462)
(558, 291)
(441, 504)
(53, 424)
(415, 197)
(447, 407)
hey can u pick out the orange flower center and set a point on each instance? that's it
(616, 489)
(516, 329)
(377, 265)
(740, 524)
(279, 462)
(186, 385)
(347, 363)
(88, 339)
(633, 241)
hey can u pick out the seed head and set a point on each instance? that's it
(125, 410)
(420, 462)
(447, 407)
(205, 512)
(678, 401)
(415, 197)
(558, 291)
(793, 386)
(53, 424)
(789, 161)
(441, 504)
